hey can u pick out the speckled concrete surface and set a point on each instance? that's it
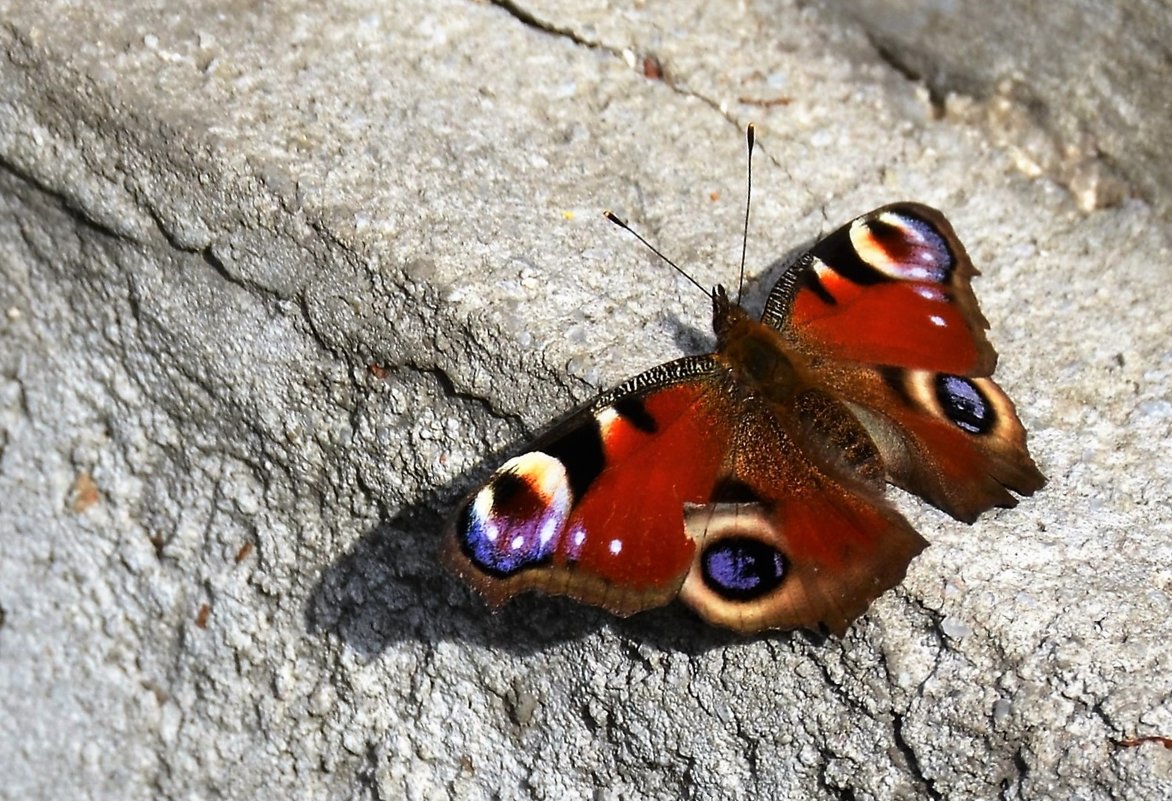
(279, 286)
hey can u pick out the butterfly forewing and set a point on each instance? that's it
(891, 287)
(601, 517)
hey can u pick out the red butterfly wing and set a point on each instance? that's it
(891, 287)
(884, 309)
(767, 516)
(955, 441)
(595, 510)
(794, 536)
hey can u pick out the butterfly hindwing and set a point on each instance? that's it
(794, 536)
(955, 441)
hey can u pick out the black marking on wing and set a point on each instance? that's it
(780, 298)
(964, 404)
(896, 379)
(732, 490)
(506, 488)
(665, 375)
(580, 452)
(634, 411)
(839, 254)
(814, 283)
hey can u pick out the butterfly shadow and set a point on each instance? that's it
(390, 588)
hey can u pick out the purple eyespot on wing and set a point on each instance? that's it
(964, 404)
(516, 521)
(902, 247)
(742, 568)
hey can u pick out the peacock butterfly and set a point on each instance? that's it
(749, 482)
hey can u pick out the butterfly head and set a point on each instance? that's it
(726, 314)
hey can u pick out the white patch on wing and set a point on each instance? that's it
(548, 529)
(482, 509)
(577, 540)
(606, 419)
(543, 476)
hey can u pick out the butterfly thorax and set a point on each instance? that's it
(754, 353)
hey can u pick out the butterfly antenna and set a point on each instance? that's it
(608, 214)
(750, 137)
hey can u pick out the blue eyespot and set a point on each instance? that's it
(501, 547)
(515, 522)
(964, 404)
(742, 568)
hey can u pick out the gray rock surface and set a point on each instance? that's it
(1077, 91)
(280, 284)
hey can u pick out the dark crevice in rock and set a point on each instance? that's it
(1023, 772)
(530, 19)
(913, 761)
(66, 203)
(650, 64)
(453, 392)
(906, 67)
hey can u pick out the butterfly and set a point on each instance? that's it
(749, 482)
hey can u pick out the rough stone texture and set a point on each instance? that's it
(279, 285)
(1077, 91)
